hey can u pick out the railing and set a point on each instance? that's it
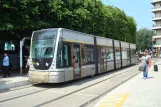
(157, 17)
(156, 25)
(156, 8)
(155, 1)
(157, 34)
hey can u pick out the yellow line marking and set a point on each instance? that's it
(108, 105)
(123, 100)
(115, 97)
(114, 101)
(110, 98)
(119, 95)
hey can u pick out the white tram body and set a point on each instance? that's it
(58, 55)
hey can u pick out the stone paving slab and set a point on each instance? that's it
(12, 82)
(142, 92)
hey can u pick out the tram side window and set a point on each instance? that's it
(132, 53)
(102, 54)
(117, 53)
(107, 51)
(87, 54)
(64, 57)
(125, 54)
(59, 59)
(110, 54)
(67, 55)
(128, 54)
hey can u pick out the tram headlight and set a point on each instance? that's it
(47, 64)
(37, 64)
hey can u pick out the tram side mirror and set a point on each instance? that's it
(61, 43)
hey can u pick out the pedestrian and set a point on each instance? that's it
(74, 63)
(28, 62)
(146, 62)
(6, 65)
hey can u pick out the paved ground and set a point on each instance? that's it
(12, 82)
(77, 93)
(61, 95)
(137, 92)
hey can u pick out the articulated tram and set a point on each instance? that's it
(58, 55)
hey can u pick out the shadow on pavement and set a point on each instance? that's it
(150, 77)
(78, 81)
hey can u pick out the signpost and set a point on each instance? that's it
(22, 42)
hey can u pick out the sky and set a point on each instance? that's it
(140, 10)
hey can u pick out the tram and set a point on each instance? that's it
(58, 55)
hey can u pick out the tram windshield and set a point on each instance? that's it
(43, 44)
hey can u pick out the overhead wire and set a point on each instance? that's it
(135, 13)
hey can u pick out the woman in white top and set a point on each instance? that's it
(145, 60)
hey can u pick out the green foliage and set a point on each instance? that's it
(20, 17)
(144, 39)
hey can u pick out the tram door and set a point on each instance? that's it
(118, 58)
(103, 63)
(76, 61)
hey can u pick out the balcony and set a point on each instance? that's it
(155, 27)
(156, 9)
(156, 46)
(155, 1)
(156, 18)
(157, 36)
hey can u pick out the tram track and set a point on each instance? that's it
(79, 86)
(38, 84)
(104, 93)
(68, 93)
(86, 87)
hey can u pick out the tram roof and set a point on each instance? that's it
(46, 29)
(82, 33)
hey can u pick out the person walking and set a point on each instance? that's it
(6, 65)
(28, 62)
(146, 62)
(74, 64)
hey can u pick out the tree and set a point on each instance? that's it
(20, 17)
(144, 39)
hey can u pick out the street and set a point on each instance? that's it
(71, 94)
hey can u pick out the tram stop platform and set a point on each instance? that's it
(12, 82)
(136, 92)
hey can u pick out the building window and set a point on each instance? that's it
(9, 46)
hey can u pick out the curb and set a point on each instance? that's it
(7, 86)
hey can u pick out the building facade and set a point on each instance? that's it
(157, 27)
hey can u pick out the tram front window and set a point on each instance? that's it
(43, 48)
(43, 44)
